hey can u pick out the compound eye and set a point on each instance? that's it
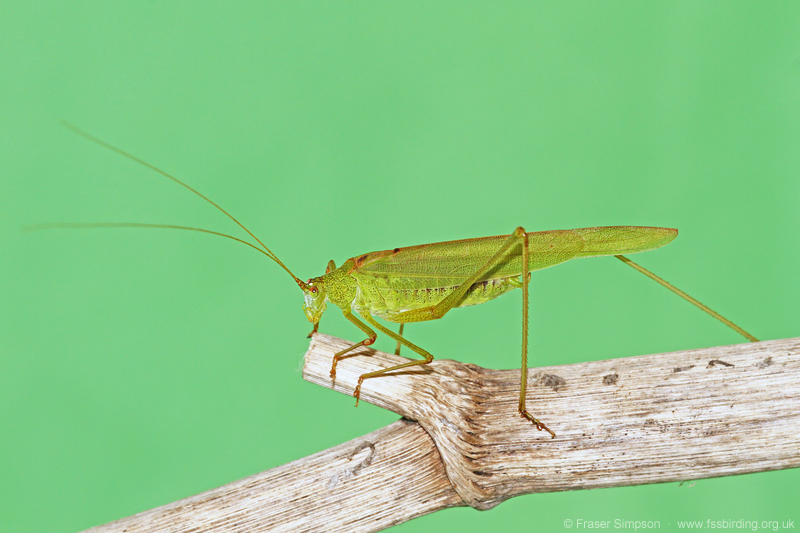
(314, 290)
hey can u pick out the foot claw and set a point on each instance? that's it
(357, 392)
(538, 425)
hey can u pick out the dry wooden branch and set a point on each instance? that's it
(648, 419)
(368, 484)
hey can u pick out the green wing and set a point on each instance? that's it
(394, 281)
(446, 263)
(619, 240)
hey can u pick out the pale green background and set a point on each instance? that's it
(141, 367)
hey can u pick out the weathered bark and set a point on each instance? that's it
(649, 419)
(384, 478)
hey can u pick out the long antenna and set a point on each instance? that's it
(93, 225)
(269, 253)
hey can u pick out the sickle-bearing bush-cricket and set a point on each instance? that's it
(419, 283)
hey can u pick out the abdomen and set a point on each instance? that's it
(386, 297)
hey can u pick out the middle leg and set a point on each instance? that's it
(400, 340)
(366, 342)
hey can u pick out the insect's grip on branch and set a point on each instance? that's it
(669, 417)
(633, 412)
